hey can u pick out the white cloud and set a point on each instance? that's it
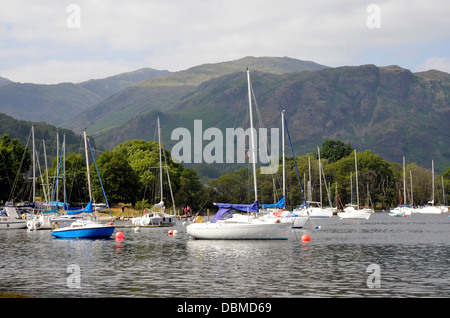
(55, 71)
(437, 63)
(179, 34)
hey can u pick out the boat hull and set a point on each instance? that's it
(354, 215)
(430, 210)
(299, 222)
(240, 231)
(87, 232)
(315, 213)
(154, 220)
(397, 214)
(13, 224)
(11, 219)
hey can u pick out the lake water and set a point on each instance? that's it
(380, 257)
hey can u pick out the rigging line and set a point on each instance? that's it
(275, 177)
(258, 115)
(42, 179)
(6, 170)
(74, 175)
(100, 179)
(167, 170)
(298, 176)
(11, 195)
(57, 178)
(325, 182)
(295, 162)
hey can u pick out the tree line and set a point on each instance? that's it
(130, 175)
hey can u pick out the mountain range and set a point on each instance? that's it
(389, 109)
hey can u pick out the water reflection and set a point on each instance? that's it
(412, 253)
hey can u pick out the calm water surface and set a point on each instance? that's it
(412, 254)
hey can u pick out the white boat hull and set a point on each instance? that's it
(11, 224)
(10, 219)
(354, 215)
(240, 231)
(315, 213)
(429, 210)
(46, 222)
(154, 219)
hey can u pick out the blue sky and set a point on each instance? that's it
(39, 44)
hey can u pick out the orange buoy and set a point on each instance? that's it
(306, 238)
(170, 233)
(119, 236)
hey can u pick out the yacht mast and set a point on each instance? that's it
(252, 135)
(87, 164)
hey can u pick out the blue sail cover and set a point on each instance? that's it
(87, 209)
(225, 208)
(51, 211)
(279, 205)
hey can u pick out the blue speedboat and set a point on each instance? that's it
(85, 229)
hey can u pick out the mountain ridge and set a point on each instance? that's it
(60, 103)
(388, 110)
(160, 93)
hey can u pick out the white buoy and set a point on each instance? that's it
(137, 229)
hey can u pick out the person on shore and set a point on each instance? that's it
(187, 211)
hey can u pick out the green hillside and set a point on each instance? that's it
(49, 103)
(59, 104)
(161, 93)
(21, 130)
(388, 110)
(109, 86)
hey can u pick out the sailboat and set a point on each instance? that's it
(228, 224)
(157, 217)
(86, 228)
(350, 212)
(315, 209)
(402, 209)
(10, 219)
(430, 208)
(444, 205)
(278, 209)
(47, 216)
(11, 216)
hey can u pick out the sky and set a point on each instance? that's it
(54, 41)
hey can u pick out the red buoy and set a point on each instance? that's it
(306, 238)
(119, 236)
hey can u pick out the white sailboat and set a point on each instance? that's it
(278, 210)
(228, 224)
(157, 217)
(350, 212)
(10, 216)
(430, 208)
(44, 219)
(444, 206)
(10, 219)
(315, 208)
(402, 209)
